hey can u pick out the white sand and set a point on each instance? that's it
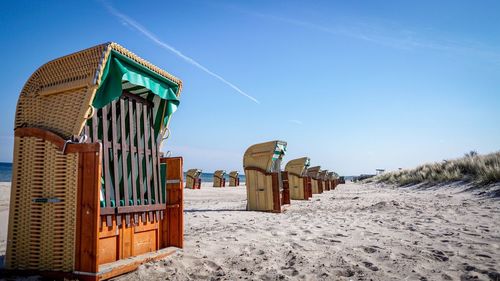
(4, 214)
(353, 233)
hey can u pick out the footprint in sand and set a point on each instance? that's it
(439, 256)
(369, 250)
(370, 266)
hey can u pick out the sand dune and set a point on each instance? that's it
(353, 233)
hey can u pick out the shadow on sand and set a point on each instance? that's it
(214, 210)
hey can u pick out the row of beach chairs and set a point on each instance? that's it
(270, 189)
(193, 178)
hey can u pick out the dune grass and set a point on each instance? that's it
(478, 169)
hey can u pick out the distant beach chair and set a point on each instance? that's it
(234, 178)
(299, 182)
(323, 177)
(92, 195)
(265, 188)
(332, 180)
(219, 178)
(341, 180)
(193, 180)
(316, 184)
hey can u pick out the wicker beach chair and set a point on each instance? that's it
(332, 180)
(220, 178)
(341, 180)
(234, 178)
(323, 177)
(299, 182)
(262, 165)
(92, 196)
(193, 180)
(316, 184)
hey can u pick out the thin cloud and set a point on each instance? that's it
(407, 40)
(298, 122)
(127, 20)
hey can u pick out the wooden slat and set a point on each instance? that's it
(286, 188)
(139, 156)
(95, 127)
(133, 165)
(173, 224)
(146, 147)
(139, 147)
(276, 192)
(124, 152)
(156, 163)
(89, 184)
(114, 128)
(106, 168)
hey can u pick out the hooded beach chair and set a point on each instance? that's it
(323, 177)
(219, 178)
(92, 195)
(331, 179)
(341, 180)
(316, 184)
(262, 165)
(234, 178)
(193, 180)
(298, 181)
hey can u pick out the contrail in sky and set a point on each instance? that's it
(166, 46)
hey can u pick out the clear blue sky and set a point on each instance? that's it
(354, 85)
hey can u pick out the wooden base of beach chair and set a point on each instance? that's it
(263, 191)
(285, 196)
(234, 182)
(106, 271)
(299, 187)
(219, 182)
(193, 183)
(71, 234)
(197, 184)
(327, 185)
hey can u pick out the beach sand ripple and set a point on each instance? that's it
(356, 232)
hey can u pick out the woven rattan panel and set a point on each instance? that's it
(57, 95)
(42, 235)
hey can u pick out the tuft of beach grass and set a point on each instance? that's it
(474, 168)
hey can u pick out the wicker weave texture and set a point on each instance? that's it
(42, 235)
(297, 166)
(323, 175)
(191, 175)
(314, 172)
(219, 178)
(233, 175)
(58, 96)
(260, 155)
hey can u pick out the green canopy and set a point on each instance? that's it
(120, 68)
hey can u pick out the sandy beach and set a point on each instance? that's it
(356, 232)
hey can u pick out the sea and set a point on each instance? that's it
(5, 171)
(6, 174)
